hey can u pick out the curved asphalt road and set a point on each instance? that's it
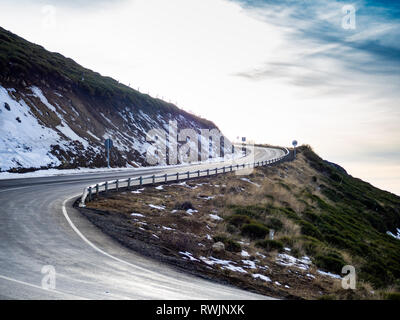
(39, 227)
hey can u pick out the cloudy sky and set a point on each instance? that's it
(271, 70)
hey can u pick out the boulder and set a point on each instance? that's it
(218, 247)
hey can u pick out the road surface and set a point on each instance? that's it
(39, 227)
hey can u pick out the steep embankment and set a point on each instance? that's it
(219, 227)
(55, 113)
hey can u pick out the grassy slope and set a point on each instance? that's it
(342, 220)
(315, 208)
(353, 215)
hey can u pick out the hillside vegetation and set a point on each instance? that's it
(322, 218)
(56, 113)
(21, 60)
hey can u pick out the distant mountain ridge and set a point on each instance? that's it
(55, 113)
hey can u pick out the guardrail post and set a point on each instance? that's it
(237, 167)
(177, 176)
(208, 172)
(129, 183)
(116, 184)
(166, 177)
(188, 174)
(140, 181)
(154, 178)
(106, 187)
(231, 168)
(216, 171)
(198, 173)
(90, 193)
(223, 169)
(97, 189)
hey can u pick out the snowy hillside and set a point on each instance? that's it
(56, 114)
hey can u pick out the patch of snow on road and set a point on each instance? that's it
(57, 172)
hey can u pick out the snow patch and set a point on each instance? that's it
(191, 211)
(137, 215)
(156, 207)
(215, 217)
(328, 274)
(188, 255)
(244, 254)
(26, 143)
(226, 264)
(249, 264)
(262, 277)
(249, 181)
(394, 236)
(286, 260)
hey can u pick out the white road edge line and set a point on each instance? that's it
(158, 275)
(39, 287)
(64, 210)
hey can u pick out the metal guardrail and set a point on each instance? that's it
(106, 186)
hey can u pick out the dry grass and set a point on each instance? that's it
(269, 188)
(194, 233)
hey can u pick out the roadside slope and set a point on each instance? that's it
(322, 219)
(56, 113)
